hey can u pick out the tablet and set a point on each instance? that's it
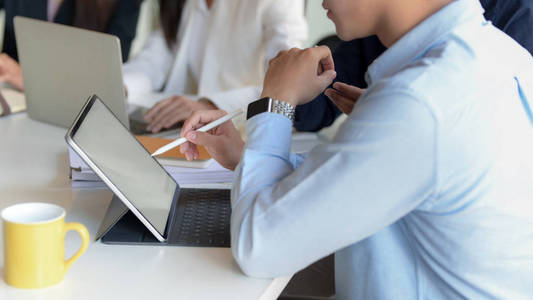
(118, 158)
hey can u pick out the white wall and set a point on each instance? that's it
(319, 24)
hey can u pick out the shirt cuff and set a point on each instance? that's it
(270, 133)
(137, 85)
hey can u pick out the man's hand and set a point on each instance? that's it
(344, 96)
(223, 143)
(298, 76)
(173, 110)
(10, 71)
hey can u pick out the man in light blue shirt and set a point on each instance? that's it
(425, 192)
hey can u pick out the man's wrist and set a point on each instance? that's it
(281, 96)
(269, 133)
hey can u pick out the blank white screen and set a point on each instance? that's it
(127, 164)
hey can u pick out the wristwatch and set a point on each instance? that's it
(268, 104)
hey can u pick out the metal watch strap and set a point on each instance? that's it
(284, 109)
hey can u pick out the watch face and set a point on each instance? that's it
(257, 107)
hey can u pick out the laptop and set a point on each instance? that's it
(149, 207)
(63, 65)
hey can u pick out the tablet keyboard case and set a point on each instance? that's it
(202, 220)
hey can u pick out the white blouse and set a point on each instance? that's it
(53, 7)
(221, 53)
(198, 40)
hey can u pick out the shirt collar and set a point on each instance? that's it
(420, 38)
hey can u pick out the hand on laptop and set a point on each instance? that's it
(10, 71)
(224, 143)
(173, 110)
(297, 76)
(344, 96)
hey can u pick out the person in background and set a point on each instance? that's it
(425, 191)
(211, 54)
(117, 17)
(514, 17)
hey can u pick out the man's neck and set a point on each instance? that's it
(403, 15)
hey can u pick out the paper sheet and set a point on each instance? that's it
(15, 99)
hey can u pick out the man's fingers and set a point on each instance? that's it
(325, 68)
(200, 138)
(338, 97)
(348, 90)
(345, 108)
(324, 57)
(190, 150)
(185, 147)
(320, 70)
(189, 155)
(200, 118)
(344, 103)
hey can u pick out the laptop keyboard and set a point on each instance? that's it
(204, 218)
(138, 128)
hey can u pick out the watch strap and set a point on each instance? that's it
(284, 109)
(268, 104)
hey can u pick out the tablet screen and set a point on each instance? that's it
(125, 162)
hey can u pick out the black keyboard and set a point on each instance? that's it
(203, 218)
(138, 128)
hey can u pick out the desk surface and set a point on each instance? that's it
(34, 167)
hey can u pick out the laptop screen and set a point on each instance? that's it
(126, 164)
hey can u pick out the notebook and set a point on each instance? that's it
(173, 157)
(11, 101)
(83, 176)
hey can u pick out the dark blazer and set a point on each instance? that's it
(514, 17)
(123, 22)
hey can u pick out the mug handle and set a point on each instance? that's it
(85, 239)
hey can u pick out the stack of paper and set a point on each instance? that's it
(11, 101)
(83, 176)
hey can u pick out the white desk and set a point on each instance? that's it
(34, 167)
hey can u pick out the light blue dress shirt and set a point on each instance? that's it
(426, 192)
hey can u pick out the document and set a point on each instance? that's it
(11, 101)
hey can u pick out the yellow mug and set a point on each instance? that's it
(34, 244)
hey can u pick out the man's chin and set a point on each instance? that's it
(348, 36)
(345, 36)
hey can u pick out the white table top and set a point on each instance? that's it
(34, 167)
